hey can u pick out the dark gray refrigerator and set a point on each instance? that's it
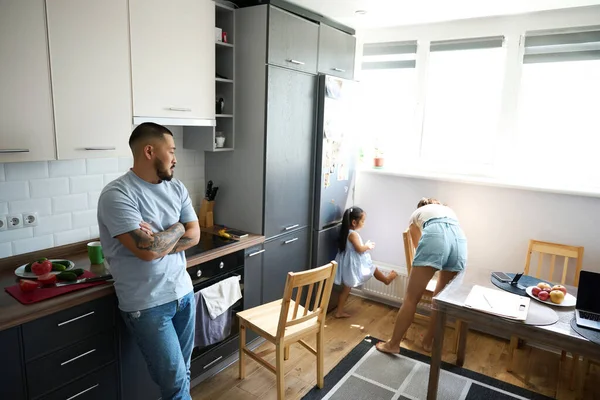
(335, 174)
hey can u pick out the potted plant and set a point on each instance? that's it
(378, 158)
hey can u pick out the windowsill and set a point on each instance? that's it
(485, 181)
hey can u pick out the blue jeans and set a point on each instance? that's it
(165, 336)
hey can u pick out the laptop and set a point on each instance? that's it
(587, 308)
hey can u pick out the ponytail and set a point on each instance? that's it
(351, 214)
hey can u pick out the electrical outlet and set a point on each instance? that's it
(30, 219)
(2, 223)
(14, 221)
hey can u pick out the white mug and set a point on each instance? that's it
(220, 141)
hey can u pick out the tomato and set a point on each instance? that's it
(28, 286)
(41, 268)
(47, 279)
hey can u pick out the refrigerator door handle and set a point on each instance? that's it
(338, 69)
(291, 60)
(291, 227)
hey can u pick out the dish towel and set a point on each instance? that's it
(209, 331)
(222, 295)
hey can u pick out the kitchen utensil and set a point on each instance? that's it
(209, 186)
(214, 193)
(95, 253)
(80, 281)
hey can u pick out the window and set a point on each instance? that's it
(462, 102)
(558, 121)
(387, 102)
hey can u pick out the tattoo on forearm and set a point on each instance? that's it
(183, 244)
(159, 242)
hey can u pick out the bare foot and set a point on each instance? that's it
(342, 315)
(384, 347)
(391, 276)
(426, 344)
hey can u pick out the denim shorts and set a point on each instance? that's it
(443, 246)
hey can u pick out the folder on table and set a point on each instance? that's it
(498, 302)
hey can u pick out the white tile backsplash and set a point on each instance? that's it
(86, 183)
(66, 168)
(25, 171)
(102, 165)
(48, 187)
(32, 244)
(67, 214)
(14, 190)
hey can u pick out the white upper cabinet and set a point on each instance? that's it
(91, 79)
(173, 61)
(26, 129)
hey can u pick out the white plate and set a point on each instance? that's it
(569, 300)
(20, 272)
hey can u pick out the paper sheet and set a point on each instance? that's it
(498, 302)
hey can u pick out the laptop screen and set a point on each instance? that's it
(587, 293)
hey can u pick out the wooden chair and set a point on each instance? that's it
(284, 322)
(409, 254)
(553, 250)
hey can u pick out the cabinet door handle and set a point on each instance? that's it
(212, 362)
(290, 241)
(180, 109)
(292, 227)
(256, 253)
(76, 318)
(8, 151)
(291, 60)
(75, 358)
(84, 391)
(338, 69)
(100, 148)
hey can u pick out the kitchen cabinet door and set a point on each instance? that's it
(173, 59)
(336, 52)
(11, 367)
(288, 253)
(290, 140)
(89, 58)
(26, 125)
(293, 41)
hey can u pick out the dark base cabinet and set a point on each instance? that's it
(99, 385)
(11, 367)
(287, 253)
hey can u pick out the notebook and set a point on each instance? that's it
(498, 302)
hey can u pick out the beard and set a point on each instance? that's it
(164, 174)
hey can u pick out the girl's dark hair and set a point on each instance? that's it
(351, 214)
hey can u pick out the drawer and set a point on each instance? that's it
(293, 41)
(99, 385)
(58, 330)
(72, 362)
(214, 357)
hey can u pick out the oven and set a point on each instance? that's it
(203, 276)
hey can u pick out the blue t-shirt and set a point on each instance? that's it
(123, 204)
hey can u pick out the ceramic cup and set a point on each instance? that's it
(220, 141)
(95, 252)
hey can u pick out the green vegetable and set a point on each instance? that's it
(78, 271)
(58, 267)
(66, 263)
(28, 266)
(67, 276)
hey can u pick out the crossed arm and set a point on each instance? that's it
(148, 245)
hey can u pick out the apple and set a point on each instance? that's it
(543, 295)
(544, 285)
(560, 287)
(557, 296)
(536, 290)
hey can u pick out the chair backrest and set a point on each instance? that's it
(555, 249)
(315, 308)
(409, 250)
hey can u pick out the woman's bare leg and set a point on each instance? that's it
(381, 277)
(417, 283)
(339, 312)
(443, 279)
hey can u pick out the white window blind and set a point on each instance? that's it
(462, 103)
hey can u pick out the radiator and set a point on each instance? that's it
(392, 293)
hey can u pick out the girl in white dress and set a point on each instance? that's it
(355, 267)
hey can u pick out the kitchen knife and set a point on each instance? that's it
(80, 281)
(209, 186)
(214, 193)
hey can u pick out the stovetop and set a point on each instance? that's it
(208, 242)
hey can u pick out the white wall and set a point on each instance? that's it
(498, 222)
(65, 195)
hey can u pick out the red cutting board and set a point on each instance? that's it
(46, 293)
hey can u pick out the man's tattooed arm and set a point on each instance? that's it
(189, 239)
(149, 247)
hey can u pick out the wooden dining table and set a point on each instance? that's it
(450, 303)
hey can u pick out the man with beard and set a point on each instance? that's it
(146, 222)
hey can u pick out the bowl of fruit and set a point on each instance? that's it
(554, 295)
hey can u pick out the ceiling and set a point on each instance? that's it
(382, 13)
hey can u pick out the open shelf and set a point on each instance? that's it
(223, 44)
(224, 80)
(224, 115)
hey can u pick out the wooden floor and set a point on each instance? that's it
(485, 354)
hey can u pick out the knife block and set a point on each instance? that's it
(205, 219)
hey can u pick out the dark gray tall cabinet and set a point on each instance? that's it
(266, 183)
